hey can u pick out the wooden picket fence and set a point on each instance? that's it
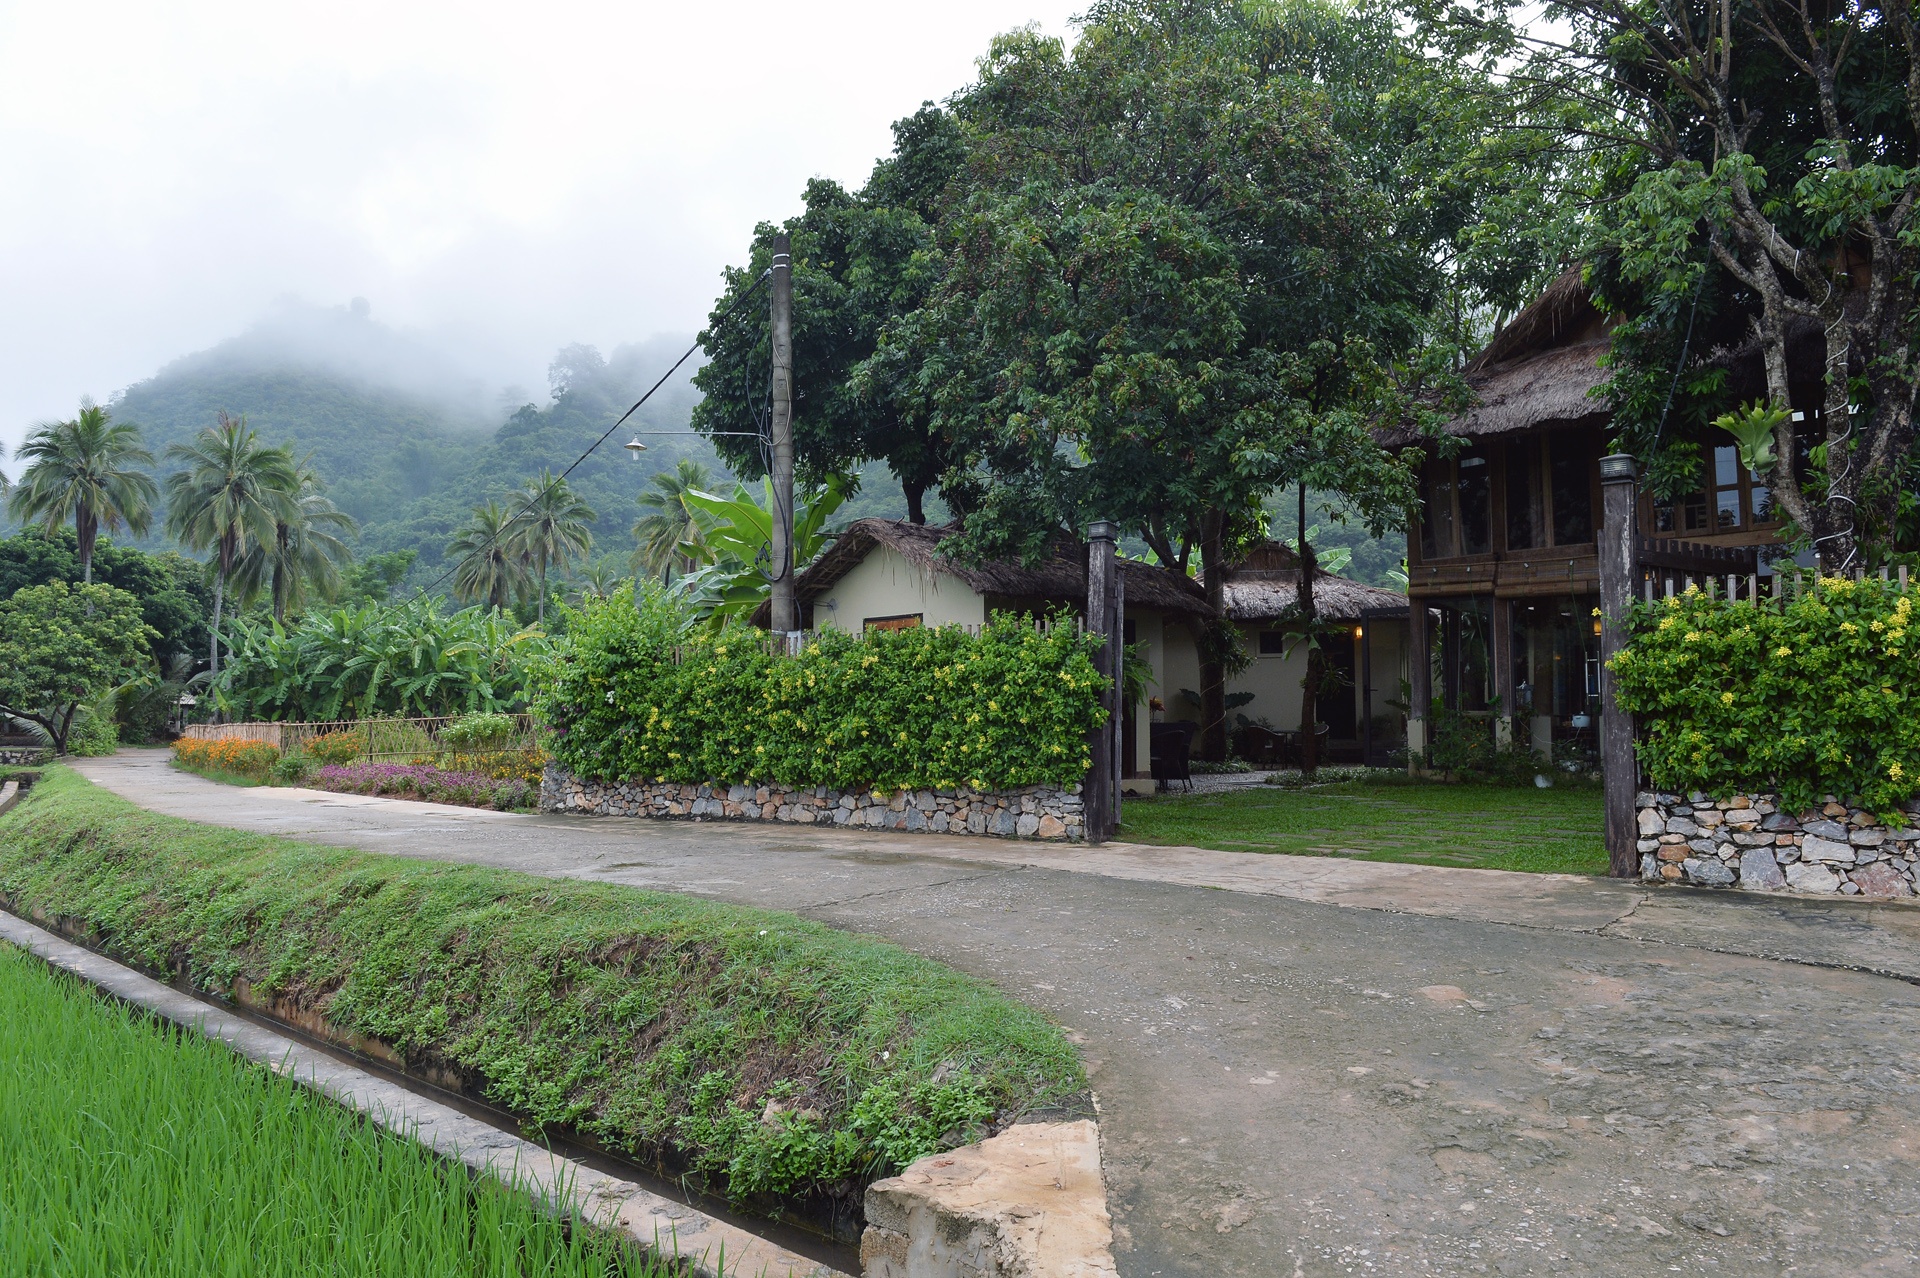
(386, 738)
(1777, 590)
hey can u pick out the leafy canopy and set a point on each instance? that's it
(62, 646)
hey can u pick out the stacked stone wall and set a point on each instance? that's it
(1033, 812)
(28, 757)
(1754, 842)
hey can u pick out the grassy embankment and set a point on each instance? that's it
(761, 1053)
(128, 1147)
(1428, 823)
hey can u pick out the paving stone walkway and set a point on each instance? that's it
(1310, 1066)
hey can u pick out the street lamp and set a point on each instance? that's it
(634, 447)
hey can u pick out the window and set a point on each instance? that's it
(910, 622)
(1475, 489)
(1734, 498)
(1573, 463)
(1526, 521)
(1436, 509)
(1273, 643)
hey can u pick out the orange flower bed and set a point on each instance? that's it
(243, 758)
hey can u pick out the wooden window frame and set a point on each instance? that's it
(900, 621)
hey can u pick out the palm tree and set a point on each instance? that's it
(489, 568)
(551, 528)
(668, 532)
(234, 493)
(304, 555)
(596, 581)
(86, 469)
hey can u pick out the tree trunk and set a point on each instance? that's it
(219, 596)
(541, 608)
(916, 496)
(86, 531)
(1213, 672)
(1310, 682)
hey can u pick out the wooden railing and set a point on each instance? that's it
(1660, 579)
(385, 738)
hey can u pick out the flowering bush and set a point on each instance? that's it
(630, 692)
(426, 782)
(243, 758)
(1819, 696)
(338, 747)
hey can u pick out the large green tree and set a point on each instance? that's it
(232, 493)
(62, 646)
(1754, 166)
(860, 260)
(1199, 258)
(89, 469)
(488, 567)
(174, 598)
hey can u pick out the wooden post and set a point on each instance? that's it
(1419, 682)
(785, 617)
(1117, 721)
(1503, 685)
(1620, 771)
(1097, 797)
(1366, 692)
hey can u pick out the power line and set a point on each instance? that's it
(534, 500)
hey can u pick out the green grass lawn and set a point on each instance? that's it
(1496, 827)
(127, 1147)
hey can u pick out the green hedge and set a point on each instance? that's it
(632, 692)
(1819, 695)
(771, 1054)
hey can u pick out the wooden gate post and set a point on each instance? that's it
(1097, 795)
(1620, 771)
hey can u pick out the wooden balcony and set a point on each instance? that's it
(1560, 570)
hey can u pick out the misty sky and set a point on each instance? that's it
(500, 179)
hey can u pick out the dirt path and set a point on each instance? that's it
(1469, 1072)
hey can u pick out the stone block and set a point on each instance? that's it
(1652, 823)
(1707, 818)
(1778, 822)
(916, 818)
(1051, 827)
(1673, 852)
(1867, 838)
(1707, 873)
(1027, 825)
(1882, 880)
(1003, 824)
(1702, 847)
(1815, 848)
(1649, 867)
(1812, 877)
(1682, 826)
(1670, 872)
(1645, 846)
(1833, 830)
(1759, 872)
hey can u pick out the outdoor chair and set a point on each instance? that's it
(1170, 749)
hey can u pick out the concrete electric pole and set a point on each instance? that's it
(785, 617)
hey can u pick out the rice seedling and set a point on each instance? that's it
(128, 1147)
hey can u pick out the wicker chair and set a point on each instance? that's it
(1170, 750)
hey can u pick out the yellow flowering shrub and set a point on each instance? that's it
(243, 758)
(1819, 695)
(630, 693)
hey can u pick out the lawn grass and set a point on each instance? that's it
(1496, 827)
(128, 1147)
(765, 1054)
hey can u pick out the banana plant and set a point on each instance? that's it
(737, 542)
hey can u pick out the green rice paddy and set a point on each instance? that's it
(130, 1148)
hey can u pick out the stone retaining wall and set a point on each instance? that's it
(28, 757)
(1751, 841)
(1033, 812)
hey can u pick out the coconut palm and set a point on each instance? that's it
(596, 581)
(488, 567)
(233, 494)
(667, 534)
(303, 557)
(551, 528)
(87, 469)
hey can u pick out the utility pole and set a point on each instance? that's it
(785, 617)
(1099, 791)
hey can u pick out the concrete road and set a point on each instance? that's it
(1309, 1067)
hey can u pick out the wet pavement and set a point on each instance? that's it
(1308, 1066)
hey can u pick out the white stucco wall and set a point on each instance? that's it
(887, 584)
(1275, 681)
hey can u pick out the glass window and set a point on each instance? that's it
(1761, 502)
(1665, 517)
(1273, 643)
(1475, 487)
(1726, 507)
(1726, 467)
(1525, 527)
(1694, 510)
(1436, 509)
(1572, 465)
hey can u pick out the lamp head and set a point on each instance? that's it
(634, 447)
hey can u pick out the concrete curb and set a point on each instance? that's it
(1028, 1203)
(709, 1248)
(9, 795)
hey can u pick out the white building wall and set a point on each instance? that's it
(887, 584)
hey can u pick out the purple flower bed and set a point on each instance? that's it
(424, 781)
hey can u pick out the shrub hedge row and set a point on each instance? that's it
(1817, 695)
(767, 1053)
(632, 692)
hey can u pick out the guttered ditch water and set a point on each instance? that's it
(821, 1232)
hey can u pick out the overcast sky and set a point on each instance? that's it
(503, 178)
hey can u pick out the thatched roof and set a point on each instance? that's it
(1061, 577)
(1540, 368)
(1266, 583)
